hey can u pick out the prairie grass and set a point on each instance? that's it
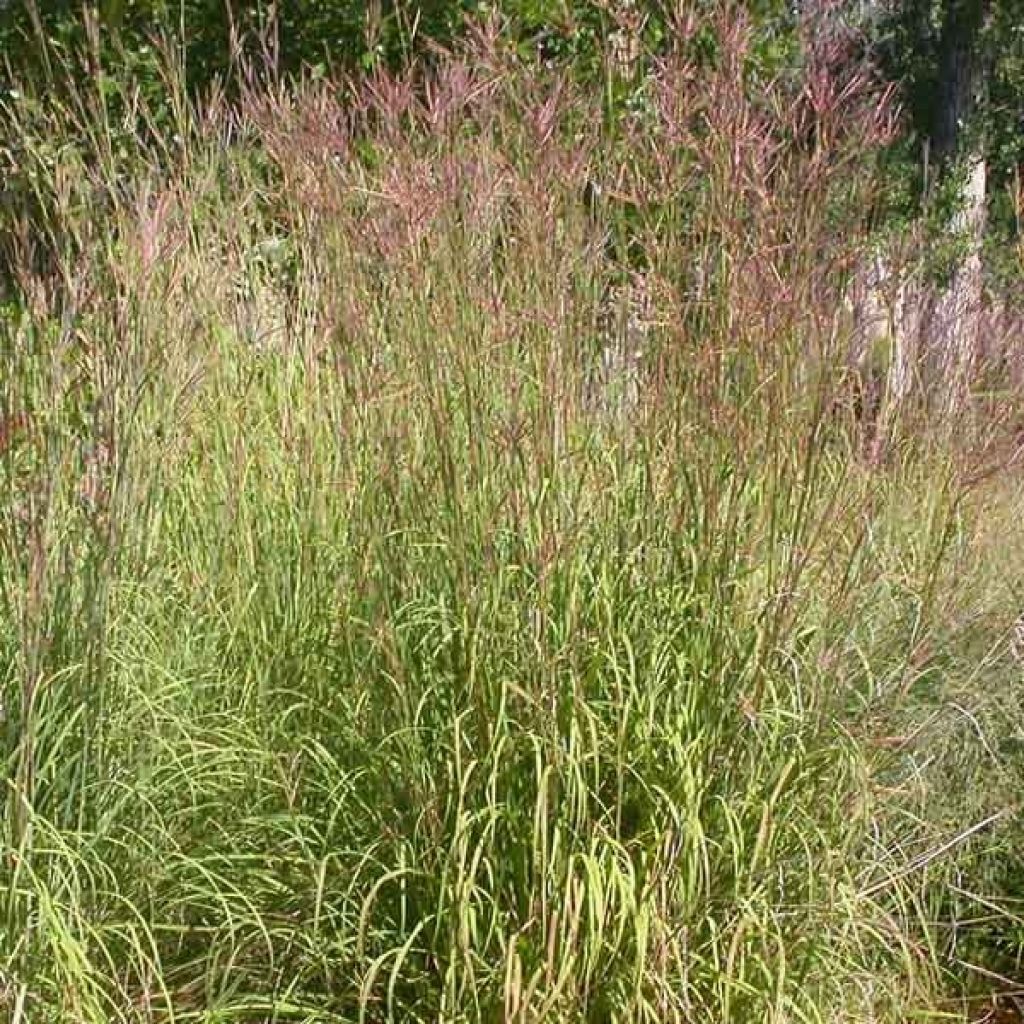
(371, 654)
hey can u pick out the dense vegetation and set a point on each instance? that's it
(958, 65)
(459, 565)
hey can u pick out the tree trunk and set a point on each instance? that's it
(961, 73)
(959, 146)
(959, 308)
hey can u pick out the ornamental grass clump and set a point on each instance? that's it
(358, 664)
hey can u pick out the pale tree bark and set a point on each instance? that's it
(885, 307)
(958, 316)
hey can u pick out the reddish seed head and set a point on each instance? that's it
(10, 427)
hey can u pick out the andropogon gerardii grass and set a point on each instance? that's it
(399, 624)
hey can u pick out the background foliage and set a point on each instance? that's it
(903, 38)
